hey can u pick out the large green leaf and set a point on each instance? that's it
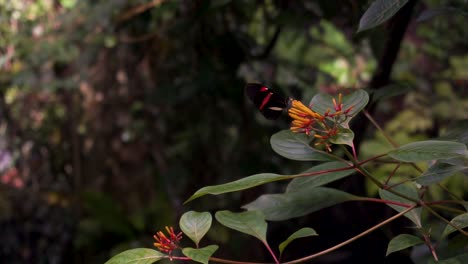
(401, 242)
(201, 255)
(303, 232)
(241, 184)
(277, 207)
(296, 146)
(137, 256)
(429, 150)
(460, 221)
(358, 99)
(438, 172)
(379, 12)
(251, 222)
(195, 225)
(409, 191)
(320, 179)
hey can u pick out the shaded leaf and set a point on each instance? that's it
(460, 221)
(440, 11)
(303, 232)
(201, 255)
(241, 184)
(428, 150)
(321, 179)
(195, 225)
(378, 12)
(251, 222)
(438, 172)
(415, 214)
(457, 132)
(388, 91)
(137, 256)
(358, 99)
(295, 146)
(401, 242)
(277, 207)
(460, 259)
(345, 136)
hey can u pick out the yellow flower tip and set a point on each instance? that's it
(340, 98)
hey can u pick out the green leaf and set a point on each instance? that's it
(457, 132)
(195, 225)
(137, 256)
(252, 222)
(358, 99)
(460, 259)
(401, 242)
(345, 136)
(438, 172)
(415, 214)
(460, 221)
(379, 12)
(303, 232)
(277, 207)
(201, 255)
(295, 146)
(238, 185)
(388, 91)
(321, 179)
(428, 150)
(440, 11)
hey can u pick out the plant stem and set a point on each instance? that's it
(321, 172)
(271, 252)
(387, 137)
(431, 248)
(443, 219)
(373, 158)
(351, 239)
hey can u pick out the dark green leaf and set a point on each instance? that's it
(358, 99)
(460, 221)
(388, 91)
(295, 146)
(320, 179)
(401, 242)
(409, 191)
(379, 12)
(303, 232)
(345, 136)
(428, 150)
(438, 172)
(440, 11)
(460, 259)
(277, 207)
(252, 222)
(241, 184)
(137, 256)
(201, 255)
(195, 225)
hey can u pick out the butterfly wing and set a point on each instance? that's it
(269, 103)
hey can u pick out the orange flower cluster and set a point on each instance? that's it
(323, 127)
(166, 244)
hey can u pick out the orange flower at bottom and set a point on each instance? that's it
(166, 244)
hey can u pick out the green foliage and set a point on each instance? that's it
(303, 232)
(251, 223)
(295, 146)
(137, 256)
(195, 225)
(201, 255)
(429, 150)
(379, 12)
(278, 207)
(403, 241)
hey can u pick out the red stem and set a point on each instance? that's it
(385, 201)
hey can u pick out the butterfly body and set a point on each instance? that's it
(268, 102)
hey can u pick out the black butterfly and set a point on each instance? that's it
(269, 103)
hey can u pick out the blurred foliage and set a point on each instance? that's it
(114, 112)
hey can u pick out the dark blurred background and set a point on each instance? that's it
(112, 113)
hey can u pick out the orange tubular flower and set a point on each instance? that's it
(166, 244)
(324, 127)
